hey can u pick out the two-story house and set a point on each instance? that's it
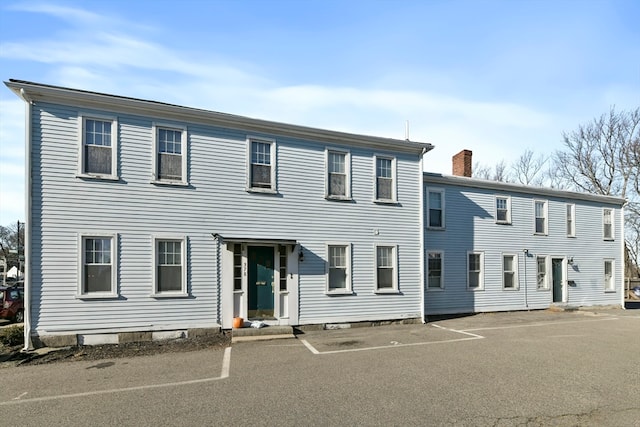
(146, 216)
(493, 246)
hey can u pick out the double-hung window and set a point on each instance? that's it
(475, 270)
(98, 147)
(607, 224)
(339, 268)
(435, 208)
(540, 210)
(510, 272)
(262, 165)
(385, 171)
(435, 270)
(542, 275)
(609, 283)
(98, 276)
(338, 175)
(503, 210)
(571, 220)
(170, 146)
(170, 269)
(386, 275)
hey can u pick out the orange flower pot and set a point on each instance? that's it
(238, 322)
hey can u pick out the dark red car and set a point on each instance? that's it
(12, 303)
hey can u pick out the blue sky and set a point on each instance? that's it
(496, 77)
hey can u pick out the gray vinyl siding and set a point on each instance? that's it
(470, 226)
(215, 201)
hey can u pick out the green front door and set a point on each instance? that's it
(556, 275)
(261, 286)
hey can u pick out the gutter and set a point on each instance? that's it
(622, 255)
(28, 345)
(423, 247)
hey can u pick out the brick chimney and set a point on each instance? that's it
(462, 163)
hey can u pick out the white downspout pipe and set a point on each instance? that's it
(622, 253)
(28, 345)
(422, 240)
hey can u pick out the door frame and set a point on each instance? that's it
(234, 302)
(563, 279)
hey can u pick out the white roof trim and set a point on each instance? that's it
(433, 178)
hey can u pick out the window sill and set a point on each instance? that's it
(503, 222)
(238, 291)
(338, 198)
(608, 239)
(97, 296)
(610, 291)
(475, 289)
(435, 289)
(571, 236)
(98, 177)
(338, 293)
(543, 289)
(540, 234)
(510, 289)
(386, 202)
(261, 190)
(436, 228)
(386, 292)
(170, 183)
(170, 295)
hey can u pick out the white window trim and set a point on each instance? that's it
(613, 275)
(516, 280)
(547, 272)
(155, 179)
(613, 227)
(183, 254)
(545, 232)
(82, 117)
(508, 220)
(571, 232)
(441, 287)
(394, 184)
(394, 289)
(442, 194)
(348, 290)
(80, 294)
(481, 278)
(347, 170)
(274, 165)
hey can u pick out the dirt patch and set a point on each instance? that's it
(12, 356)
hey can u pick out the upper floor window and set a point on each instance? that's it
(98, 266)
(509, 272)
(170, 269)
(385, 190)
(607, 224)
(540, 217)
(338, 175)
(98, 147)
(434, 270)
(170, 154)
(262, 165)
(571, 220)
(503, 210)
(609, 284)
(339, 268)
(475, 270)
(435, 208)
(386, 268)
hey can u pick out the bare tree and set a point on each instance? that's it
(496, 173)
(529, 168)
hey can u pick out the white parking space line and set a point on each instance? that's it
(395, 344)
(531, 325)
(226, 363)
(465, 332)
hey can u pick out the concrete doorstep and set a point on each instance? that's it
(260, 334)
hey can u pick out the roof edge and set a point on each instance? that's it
(518, 188)
(31, 91)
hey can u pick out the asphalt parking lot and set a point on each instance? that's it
(538, 368)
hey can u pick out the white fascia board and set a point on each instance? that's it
(433, 178)
(160, 110)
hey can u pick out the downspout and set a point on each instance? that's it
(28, 345)
(423, 314)
(526, 293)
(622, 255)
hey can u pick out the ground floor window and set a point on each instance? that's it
(509, 272)
(434, 270)
(386, 268)
(543, 276)
(170, 266)
(98, 263)
(609, 284)
(475, 270)
(339, 268)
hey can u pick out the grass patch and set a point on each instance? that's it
(12, 336)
